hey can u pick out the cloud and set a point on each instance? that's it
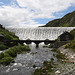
(10, 16)
(21, 13)
(45, 8)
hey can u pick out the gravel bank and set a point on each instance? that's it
(69, 53)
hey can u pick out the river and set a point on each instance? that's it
(24, 62)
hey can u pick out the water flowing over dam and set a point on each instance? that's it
(40, 33)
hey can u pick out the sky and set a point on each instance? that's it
(33, 13)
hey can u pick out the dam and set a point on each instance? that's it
(40, 33)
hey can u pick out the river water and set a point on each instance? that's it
(24, 62)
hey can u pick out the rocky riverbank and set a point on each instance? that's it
(67, 68)
(69, 53)
(64, 66)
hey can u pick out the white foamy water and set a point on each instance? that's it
(40, 33)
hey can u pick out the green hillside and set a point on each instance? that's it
(66, 21)
(6, 35)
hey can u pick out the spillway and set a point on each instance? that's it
(40, 33)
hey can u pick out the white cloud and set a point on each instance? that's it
(15, 16)
(45, 8)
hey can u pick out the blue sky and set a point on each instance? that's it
(32, 13)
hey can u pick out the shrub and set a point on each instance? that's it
(50, 46)
(51, 59)
(67, 45)
(45, 69)
(11, 53)
(37, 72)
(1, 43)
(7, 37)
(6, 55)
(47, 64)
(3, 47)
(1, 55)
(34, 66)
(6, 60)
(60, 56)
(73, 32)
(72, 46)
(24, 48)
(54, 50)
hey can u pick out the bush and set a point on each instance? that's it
(70, 45)
(1, 43)
(37, 72)
(50, 46)
(8, 55)
(6, 60)
(45, 69)
(47, 64)
(34, 66)
(1, 55)
(60, 56)
(73, 32)
(3, 47)
(7, 37)
(24, 48)
(11, 52)
(54, 50)
(51, 59)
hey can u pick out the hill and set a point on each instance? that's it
(66, 21)
(6, 35)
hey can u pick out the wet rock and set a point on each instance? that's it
(15, 64)
(8, 70)
(15, 69)
(57, 72)
(6, 66)
(1, 51)
(33, 53)
(19, 64)
(72, 56)
(24, 66)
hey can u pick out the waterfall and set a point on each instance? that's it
(40, 33)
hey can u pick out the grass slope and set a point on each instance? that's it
(66, 21)
(6, 36)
